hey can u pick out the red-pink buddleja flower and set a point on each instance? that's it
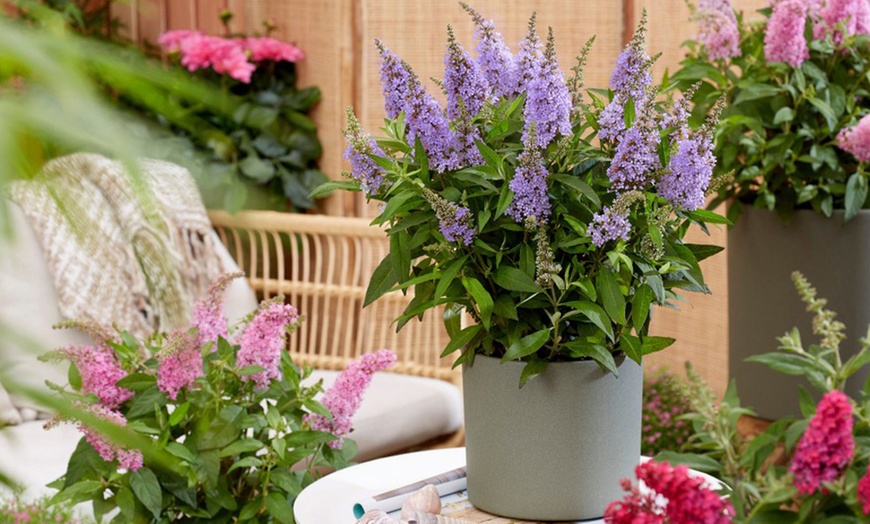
(128, 459)
(864, 492)
(784, 40)
(856, 139)
(671, 495)
(854, 14)
(826, 446)
(265, 48)
(180, 363)
(208, 313)
(100, 371)
(343, 398)
(262, 341)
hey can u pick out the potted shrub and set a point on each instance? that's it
(794, 80)
(553, 220)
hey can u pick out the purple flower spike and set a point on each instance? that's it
(548, 102)
(611, 121)
(531, 203)
(689, 173)
(364, 170)
(455, 222)
(463, 80)
(636, 156)
(528, 59)
(394, 80)
(608, 225)
(493, 56)
(425, 120)
(784, 40)
(631, 75)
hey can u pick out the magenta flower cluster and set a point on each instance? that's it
(784, 40)
(671, 495)
(262, 341)
(100, 372)
(856, 139)
(664, 401)
(827, 445)
(127, 459)
(344, 397)
(235, 57)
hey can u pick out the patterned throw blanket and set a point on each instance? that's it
(128, 249)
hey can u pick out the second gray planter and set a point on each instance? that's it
(555, 449)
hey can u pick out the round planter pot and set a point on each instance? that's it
(555, 449)
(763, 303)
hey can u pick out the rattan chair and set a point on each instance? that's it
(322, 265)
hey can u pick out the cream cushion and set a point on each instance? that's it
(29, 308)
(400, 411)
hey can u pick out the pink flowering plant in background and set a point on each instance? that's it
(552, 215)
(796, 82)
(223, 408)
(813, 469)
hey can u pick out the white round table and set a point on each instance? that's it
(330, 500)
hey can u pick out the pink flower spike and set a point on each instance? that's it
(719, 34)
(826, 446)
(262, 342)
(265, 48)
(345, 396)
(100, 372)
(856, 139)
(864, 492)
(784, 40)
(855, 14)
(128, 459)
(180, 363)
(208, 313)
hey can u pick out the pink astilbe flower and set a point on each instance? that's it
(784, 40)
(864, 492)
(719, 34)
(672, 496)
(128, 459)
(856, 139)
(854, 14)
(826, 446)
(262, 341)
(180, 363)
(100, 372)
(345, 395)
(266, 48)
(208, 313)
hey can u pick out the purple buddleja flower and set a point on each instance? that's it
(784, 40)
(467, 134)
(689, 172)
(856, 139)
(611, 121)
(608, 225)
(208, 313)
(344, 397)
(495, 60)
(463, 79)
(128, 459)
(827, 445)
(425, 119)
(678, 117)
(631, 75)
(455, 222)
(394, 80)
(636, 156)
(262, 341)
(360, 145)
(719, 34)
(180, 363)
(528, 59)
(548, 101)
(100, 371)
(531, 203)
(855, 14)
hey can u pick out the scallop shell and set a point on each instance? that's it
(377, 516)
(426, 500)
(427, 518)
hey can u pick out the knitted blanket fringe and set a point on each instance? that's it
(131, 250)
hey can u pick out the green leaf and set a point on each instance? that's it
(247, 462)
(489, 156)
(462, 339)
(303, 438)
(595, 314)
(782, 362)
(78, 492)
(481, 297)
(279, 508)
(179, 413)
(702, 251)
(827, 112)
(696, 462)
(856, 195)
(224, 429)
(596, 352)
(653, 344)
(180, 451)
(632, 347)
(709, 217)
(755, 92)
(785, 114)
(327, 188)
(400, 252)
(126, 503)
(580, 186)
(259, 170)
(74, 377)
(640, 304)
(513, 279)
(383, 279)
(611, 295)
(504, 307)
(533, 368)
(527, 345)
(147, 489)
(245, 445)
(136, 381)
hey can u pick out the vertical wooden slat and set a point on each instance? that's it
(208, 16)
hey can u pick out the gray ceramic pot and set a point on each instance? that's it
(555, 449)
(763, 303)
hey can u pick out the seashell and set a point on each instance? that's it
(427, 518)
(426, 500)
(377, 516)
